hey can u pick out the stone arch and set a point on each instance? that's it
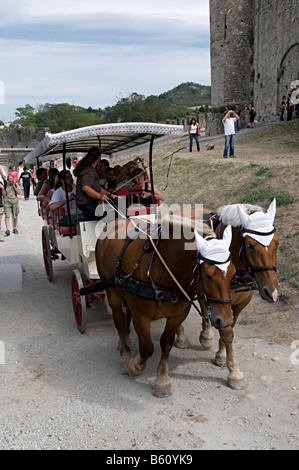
(288, 71)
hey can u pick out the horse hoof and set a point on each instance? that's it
(132, 369)
(182, 343)
(162, 389)
(236, 381)
(220, 361)
(206, 343)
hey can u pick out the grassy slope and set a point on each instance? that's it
(266, 166)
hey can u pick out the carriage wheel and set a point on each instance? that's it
(47, 254)
(79, 302)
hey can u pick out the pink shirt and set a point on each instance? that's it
(14, 174)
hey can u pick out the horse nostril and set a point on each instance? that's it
(218, 323)
(268, 296)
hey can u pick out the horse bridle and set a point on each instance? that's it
(203, 296)
(252, 270)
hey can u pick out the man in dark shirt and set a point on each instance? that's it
(26, 177)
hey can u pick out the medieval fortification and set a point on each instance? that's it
(254, 52)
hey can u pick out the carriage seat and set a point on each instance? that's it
(134, 209)
(64, 230)
(48, 216)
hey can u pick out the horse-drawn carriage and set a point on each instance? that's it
(76, 242)
(146, 279)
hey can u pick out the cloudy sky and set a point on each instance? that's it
(92, 52)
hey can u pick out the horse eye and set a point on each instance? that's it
(250, 247)
(208, 277)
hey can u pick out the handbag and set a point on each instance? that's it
(197, 130)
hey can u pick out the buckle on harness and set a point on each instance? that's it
(159, 295)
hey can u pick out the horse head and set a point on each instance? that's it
(259, 244)
(215, 272)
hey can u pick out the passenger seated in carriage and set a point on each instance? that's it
(41, 175)
(125, 178)
(89, 190)
(47, 185)
(101, 170)
(145, 198)
(110, 179)
(58, 199)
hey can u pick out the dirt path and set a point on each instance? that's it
(63, 390)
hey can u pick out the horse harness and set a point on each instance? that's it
(243, 279)
(149, 290)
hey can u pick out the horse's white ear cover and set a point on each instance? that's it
(201, 243)
(227, 235)
(243, 217)
(272, 210)
(215, 250)
(259, 222)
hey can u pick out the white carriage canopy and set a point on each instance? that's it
(111, 138)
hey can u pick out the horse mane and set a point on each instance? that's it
(176, 220)
(229, 214)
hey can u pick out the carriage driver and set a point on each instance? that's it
(89, 190)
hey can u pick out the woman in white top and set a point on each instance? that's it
(194, 133)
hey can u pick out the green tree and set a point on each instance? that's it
(63, 117)
(136, 108)
(25, 116)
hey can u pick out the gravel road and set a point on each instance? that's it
(64, 390)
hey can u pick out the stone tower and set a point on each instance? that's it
(231, 25)
(254, 52)
(276, 53)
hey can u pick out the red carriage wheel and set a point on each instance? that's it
(79, 301)
(47, 255)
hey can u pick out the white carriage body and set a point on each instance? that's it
(77, 244)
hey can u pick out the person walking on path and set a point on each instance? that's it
(2, 195)
(2, 175)
(230, 133)
(26, 178)
(14, 173)
(194, 133)
(20, 171)
(11, 204)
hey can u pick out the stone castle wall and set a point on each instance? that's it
(276, 53)
(254, 52)
(231, 27)
(15, 141)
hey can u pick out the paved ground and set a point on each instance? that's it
(64, 390)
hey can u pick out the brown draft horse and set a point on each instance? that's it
(254, 253)
(209, 283)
